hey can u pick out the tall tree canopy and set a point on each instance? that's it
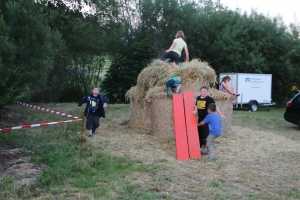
(52, 50)
(228, 40)
(27, 47)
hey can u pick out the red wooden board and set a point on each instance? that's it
(191, 125)
(182, 152)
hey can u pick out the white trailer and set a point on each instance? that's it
(254, 89)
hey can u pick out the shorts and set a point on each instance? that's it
(92, 122)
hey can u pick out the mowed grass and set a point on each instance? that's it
(97, 174)
(120, 163)
(263, 120)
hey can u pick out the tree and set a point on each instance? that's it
(232, 42)
(83, 47)
(28, 48)
(125, 68)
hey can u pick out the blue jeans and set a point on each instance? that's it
(173, 56)
(171, 84)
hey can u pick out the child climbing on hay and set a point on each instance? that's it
(215, 130)
(201, 106)
(94, 109)
(224, 86)
(174, 82)
(174, 52)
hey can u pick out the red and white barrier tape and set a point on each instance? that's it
(37, 125)
(44, 123)
(47, 110)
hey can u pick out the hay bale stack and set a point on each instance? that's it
(151, 107)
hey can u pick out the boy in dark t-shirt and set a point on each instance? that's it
(201, 104)
(94, 109)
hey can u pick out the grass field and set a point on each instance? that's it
(258, 159)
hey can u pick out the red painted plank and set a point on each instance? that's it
(191, 125)
(182, 152)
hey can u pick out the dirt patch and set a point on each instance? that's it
(15, 163)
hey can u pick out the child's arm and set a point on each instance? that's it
(195, 111)
(201, 123)
(220, 113)
(171, 47)
(178, 88)
(105, 102)
(82, 101)
(186, 53)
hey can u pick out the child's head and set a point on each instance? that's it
(203, 91)
(226, 79)
(211, 108)
(95, 90)
(180, 34)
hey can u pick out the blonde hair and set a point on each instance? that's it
(180, 34)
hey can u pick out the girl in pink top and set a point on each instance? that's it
(224, 86)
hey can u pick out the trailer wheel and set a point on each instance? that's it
(253, 106)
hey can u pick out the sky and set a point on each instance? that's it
(287, 9)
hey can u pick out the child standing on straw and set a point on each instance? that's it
(94, 109)
(174, 52)
(215, 130)
(201, 106)
(174, 82)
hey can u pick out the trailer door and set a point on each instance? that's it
(254, 87)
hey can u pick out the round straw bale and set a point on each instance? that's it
(226, 109)
(162, 116)
(152, 108)
(135, 93)
(139, 116)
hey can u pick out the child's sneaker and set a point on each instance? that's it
(90, 135)
(211, 158)
(167, 60)
(204, 152)
(169, 94)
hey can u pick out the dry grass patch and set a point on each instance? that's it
(251, 165)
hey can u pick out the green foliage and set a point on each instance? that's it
(28, 41)
(125, 68)
(248, 44)
(160, 20)
(42, 42)
(79, 60)
(228, 40)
